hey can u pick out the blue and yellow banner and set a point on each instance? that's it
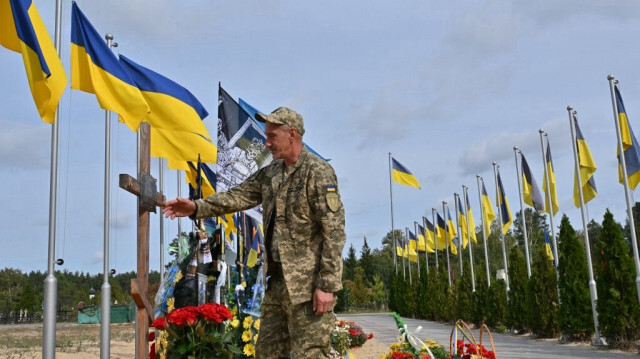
(402, 175)
(547, 245)
(472, 222)
(95, 69)
(441, 230)
(487, 211)
(208, 179)
(430, 235)
(462, 221)
(503, 204)
(423, 241)
(629, 145)
(587, 168)
(451, 233)
(552, 183)
(22, 31)
(530, 192)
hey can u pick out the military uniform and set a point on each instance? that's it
(304, 222)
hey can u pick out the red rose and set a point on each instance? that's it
(213, 312)
(370, 336)
(151, 336)
(160, 324)
(182, 316)
(353, 332)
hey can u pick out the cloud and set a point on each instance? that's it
(24, 145)
(499, 148)
(96, 259)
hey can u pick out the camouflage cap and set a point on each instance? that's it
(284, 116)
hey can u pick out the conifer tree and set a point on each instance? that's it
(516, 307)
(542, 297)
(618, 309)
(350, 264)
(575, 317)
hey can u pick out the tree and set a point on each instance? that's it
(619, 314)
(350, 264)
(366, 262)
(518, 279)
(535, 222)
(575, 316)
(542, 297)
(358, 289)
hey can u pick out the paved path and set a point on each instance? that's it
(385, 331)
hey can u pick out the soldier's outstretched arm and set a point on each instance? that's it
(179, 207)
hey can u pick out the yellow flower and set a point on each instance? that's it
(255, 338)
(256, 324)
(246, 336)
(178, 277)
(163, 343)
(247, 322)
(171, 304)
(234, 311)
(235, 322)
(249, 350)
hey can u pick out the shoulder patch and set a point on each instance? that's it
(333, 200)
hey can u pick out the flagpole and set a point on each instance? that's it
(446, 239)
(426, 249)
(50, 282)
(502, 239)
(161, 184)
(592, 282)
(466, 200)
(404, 266)
(627, 193)
(522, 217)
(408, 246)
(456, 200)
(435, 235)
(179, 189)
(484, 233)
(415, 228)
(393, 237)
(556, 258)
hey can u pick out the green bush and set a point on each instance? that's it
(518, 279)
(542, 297)
(575, 317)
(619, 315)
(496, 303)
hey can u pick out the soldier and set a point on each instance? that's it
(304, 238)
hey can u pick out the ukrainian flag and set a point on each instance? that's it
(487, 211)
(413, 255)
(440, 232)
(629, 144)
(177, 130)
(22, 30)
(547, 245)
(530, 190)
(462, 220)
(552, 181)
(228, 222)
(472, 222)
(399, 250)
(208, 178)
(505, 210)
(402, 175)
(252, 257)
(587, 168)
(452, 233)
(96, 70)
(430, 233)
(423, 241)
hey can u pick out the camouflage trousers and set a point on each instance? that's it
(291, 331)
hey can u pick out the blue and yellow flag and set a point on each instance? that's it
(399, 248)
(430, 235)
(587, 168)
(451, 233)
(423, 240)
(440, 232)
(503, 204)
(552, 183)
(411, 249)
(472, 222)
(547, 245)
(96, 70)
(629, 144)
(530, 190)
(208, 179)
(177, 130)
(487, 211)
(462, 221)
(252, 257)
(402, 175)
(22, 30)
(230, 228)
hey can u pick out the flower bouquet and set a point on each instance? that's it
(347, 334)
(194, 332)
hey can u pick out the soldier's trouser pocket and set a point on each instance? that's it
(310, 334)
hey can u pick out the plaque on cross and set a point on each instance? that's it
(145, 188)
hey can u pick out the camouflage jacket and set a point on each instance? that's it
(308, 235)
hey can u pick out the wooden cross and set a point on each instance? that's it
(145, 188)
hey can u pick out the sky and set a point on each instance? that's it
(446, 87)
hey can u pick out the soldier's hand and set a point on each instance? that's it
(322, 301)
(179, 207)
